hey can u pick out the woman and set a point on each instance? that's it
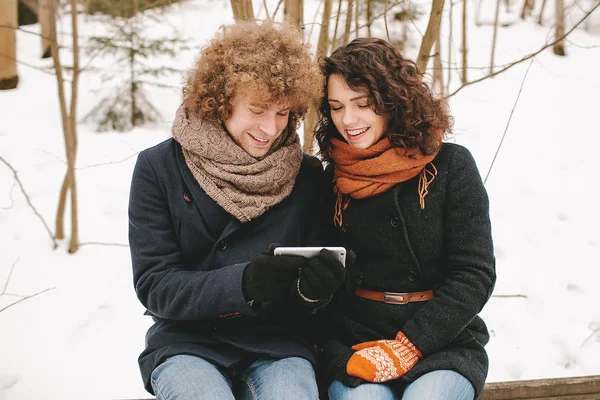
(231, 320)
(415, 212)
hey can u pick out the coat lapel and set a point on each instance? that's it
(219, 222)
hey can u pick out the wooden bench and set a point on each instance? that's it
(576, 388)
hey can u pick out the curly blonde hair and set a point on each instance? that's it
(268, 62)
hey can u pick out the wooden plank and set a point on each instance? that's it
(575, 388)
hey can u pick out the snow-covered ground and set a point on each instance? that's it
(81, 338)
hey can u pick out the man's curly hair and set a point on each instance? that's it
(268, 62)
(415, 118)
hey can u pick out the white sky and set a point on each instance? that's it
(81, 339)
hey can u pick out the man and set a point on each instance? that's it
(231, 319)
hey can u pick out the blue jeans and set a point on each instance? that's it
(435, 385)
(185, 377)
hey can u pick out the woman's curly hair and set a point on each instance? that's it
(415, 118)
(268, 62)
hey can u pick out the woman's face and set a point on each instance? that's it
(353, 115)
(255, 127)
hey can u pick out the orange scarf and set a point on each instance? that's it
(361, 173)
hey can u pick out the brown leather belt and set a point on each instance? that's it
(394, 298)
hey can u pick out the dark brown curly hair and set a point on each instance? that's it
(415, 118)
(267, 61)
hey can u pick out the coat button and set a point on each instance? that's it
(187, 197)
(360, 280)
(345, 227)
(412, 276)
(395, 222)
(222, 245)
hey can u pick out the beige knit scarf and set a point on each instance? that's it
(244, 186)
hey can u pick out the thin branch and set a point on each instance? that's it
(277, 8)
(266, 9)
(507, 124)
(12, 201)
(510, 296)
(107, 163)
(26, 297)
(48, 38)
(29, 201)
(46, 71)
(387, 32)
(12, 267)
(591, 336)
(529, 56)
(103, 244)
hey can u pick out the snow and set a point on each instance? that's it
(81, 337)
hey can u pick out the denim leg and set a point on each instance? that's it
(440, 385)
(366, 391)
(290, 378)
(184, 377)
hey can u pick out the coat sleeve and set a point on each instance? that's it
(470, 262)
(163, 286)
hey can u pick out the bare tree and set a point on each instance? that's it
(242, 10)
(450, 38)
(438, 73)
(369, 16)
(559, 46)
(348, 22)
(9, 78)
(464, 43)
(310, 121)
(293, 11)
(44, 17)
(69, 124)
(337, 22)
(541, 17)
(431, 34)
(527, 8)
(496, 14)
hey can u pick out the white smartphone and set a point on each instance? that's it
(340, 252)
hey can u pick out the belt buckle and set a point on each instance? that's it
(395, 298)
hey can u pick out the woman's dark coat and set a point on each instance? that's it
(446, 247)
(188, 257)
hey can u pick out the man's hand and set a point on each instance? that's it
(268, 277)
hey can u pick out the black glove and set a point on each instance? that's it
(323, 275)
(268, 277)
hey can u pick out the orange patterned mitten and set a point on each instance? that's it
(383, 360)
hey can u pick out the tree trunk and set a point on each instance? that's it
(337, 22)
(293, 11)
(9, 78)
(464, 43)
(559, 47)
(369, 16)
(242, 10)
(527, 7)
(438, 73)
(44, 18)
(356, 22)
(450, 44)
(310, 120)
(497, 13)
(431, 34)
(348, 22)
(69, 123)
(541, 17)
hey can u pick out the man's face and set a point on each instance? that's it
(255, 127)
